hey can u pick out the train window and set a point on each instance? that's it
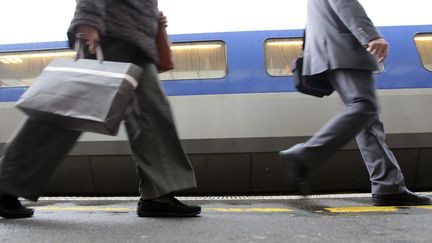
(424, 47)
(21, 68)
(197, 60)
(279, 53)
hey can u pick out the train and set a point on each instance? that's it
(235, 104)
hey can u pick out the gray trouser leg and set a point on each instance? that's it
(31, 157)
(384, 171)
(359, 118)
(161, 162)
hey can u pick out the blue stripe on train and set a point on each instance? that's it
(246, 63)
(11, 94)
(34, 46)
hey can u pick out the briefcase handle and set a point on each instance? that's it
(79, 48)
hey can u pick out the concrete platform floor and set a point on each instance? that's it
(316, 218)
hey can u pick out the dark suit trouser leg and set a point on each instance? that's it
(161, 162)
(360, 119)
(31, 156)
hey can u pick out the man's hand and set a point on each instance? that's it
(163, 19)
(380, 48)
(88, 34)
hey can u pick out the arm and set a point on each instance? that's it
(89, 21)
(354, 17)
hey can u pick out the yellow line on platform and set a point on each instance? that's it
(82, 209)
(424, 206)
(241, 210)
(373, 209)
(361, 209)
(230, 210)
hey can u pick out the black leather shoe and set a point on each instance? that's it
(173, 208)
(406, 198)
(11, 208)
(296, 172)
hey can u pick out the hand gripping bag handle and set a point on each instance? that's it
(79, 48)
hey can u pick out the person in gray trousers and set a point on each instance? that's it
(342, 42)
(126, 31)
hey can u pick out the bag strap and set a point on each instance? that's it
(79, 48)
(304, 38)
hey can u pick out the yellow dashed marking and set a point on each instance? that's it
(241, 210)
(230, 210)
(244, 210)
(424, 206)
(81, 209)
(361, 209)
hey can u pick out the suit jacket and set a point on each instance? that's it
(336, 35)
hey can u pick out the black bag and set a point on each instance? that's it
(85, 95)
(316, 85)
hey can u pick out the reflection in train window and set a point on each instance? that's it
(424, 47)
(279, 54)
(21, 68)
(197, 60)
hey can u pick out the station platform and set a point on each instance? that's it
(315, 218)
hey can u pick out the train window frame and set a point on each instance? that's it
(165, 76)
(380, 70)
(424, 54)
(28, 75)
(297, 40)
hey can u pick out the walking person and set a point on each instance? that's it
(126, 31)
(343, 43)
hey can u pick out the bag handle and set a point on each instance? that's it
(79, 48)
(304, 38)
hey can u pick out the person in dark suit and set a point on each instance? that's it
(126, 31)
(343, 43)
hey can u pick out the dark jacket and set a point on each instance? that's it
(135, 21)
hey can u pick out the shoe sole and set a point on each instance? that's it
(390, 202)
(166, 214)
(16, 216)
